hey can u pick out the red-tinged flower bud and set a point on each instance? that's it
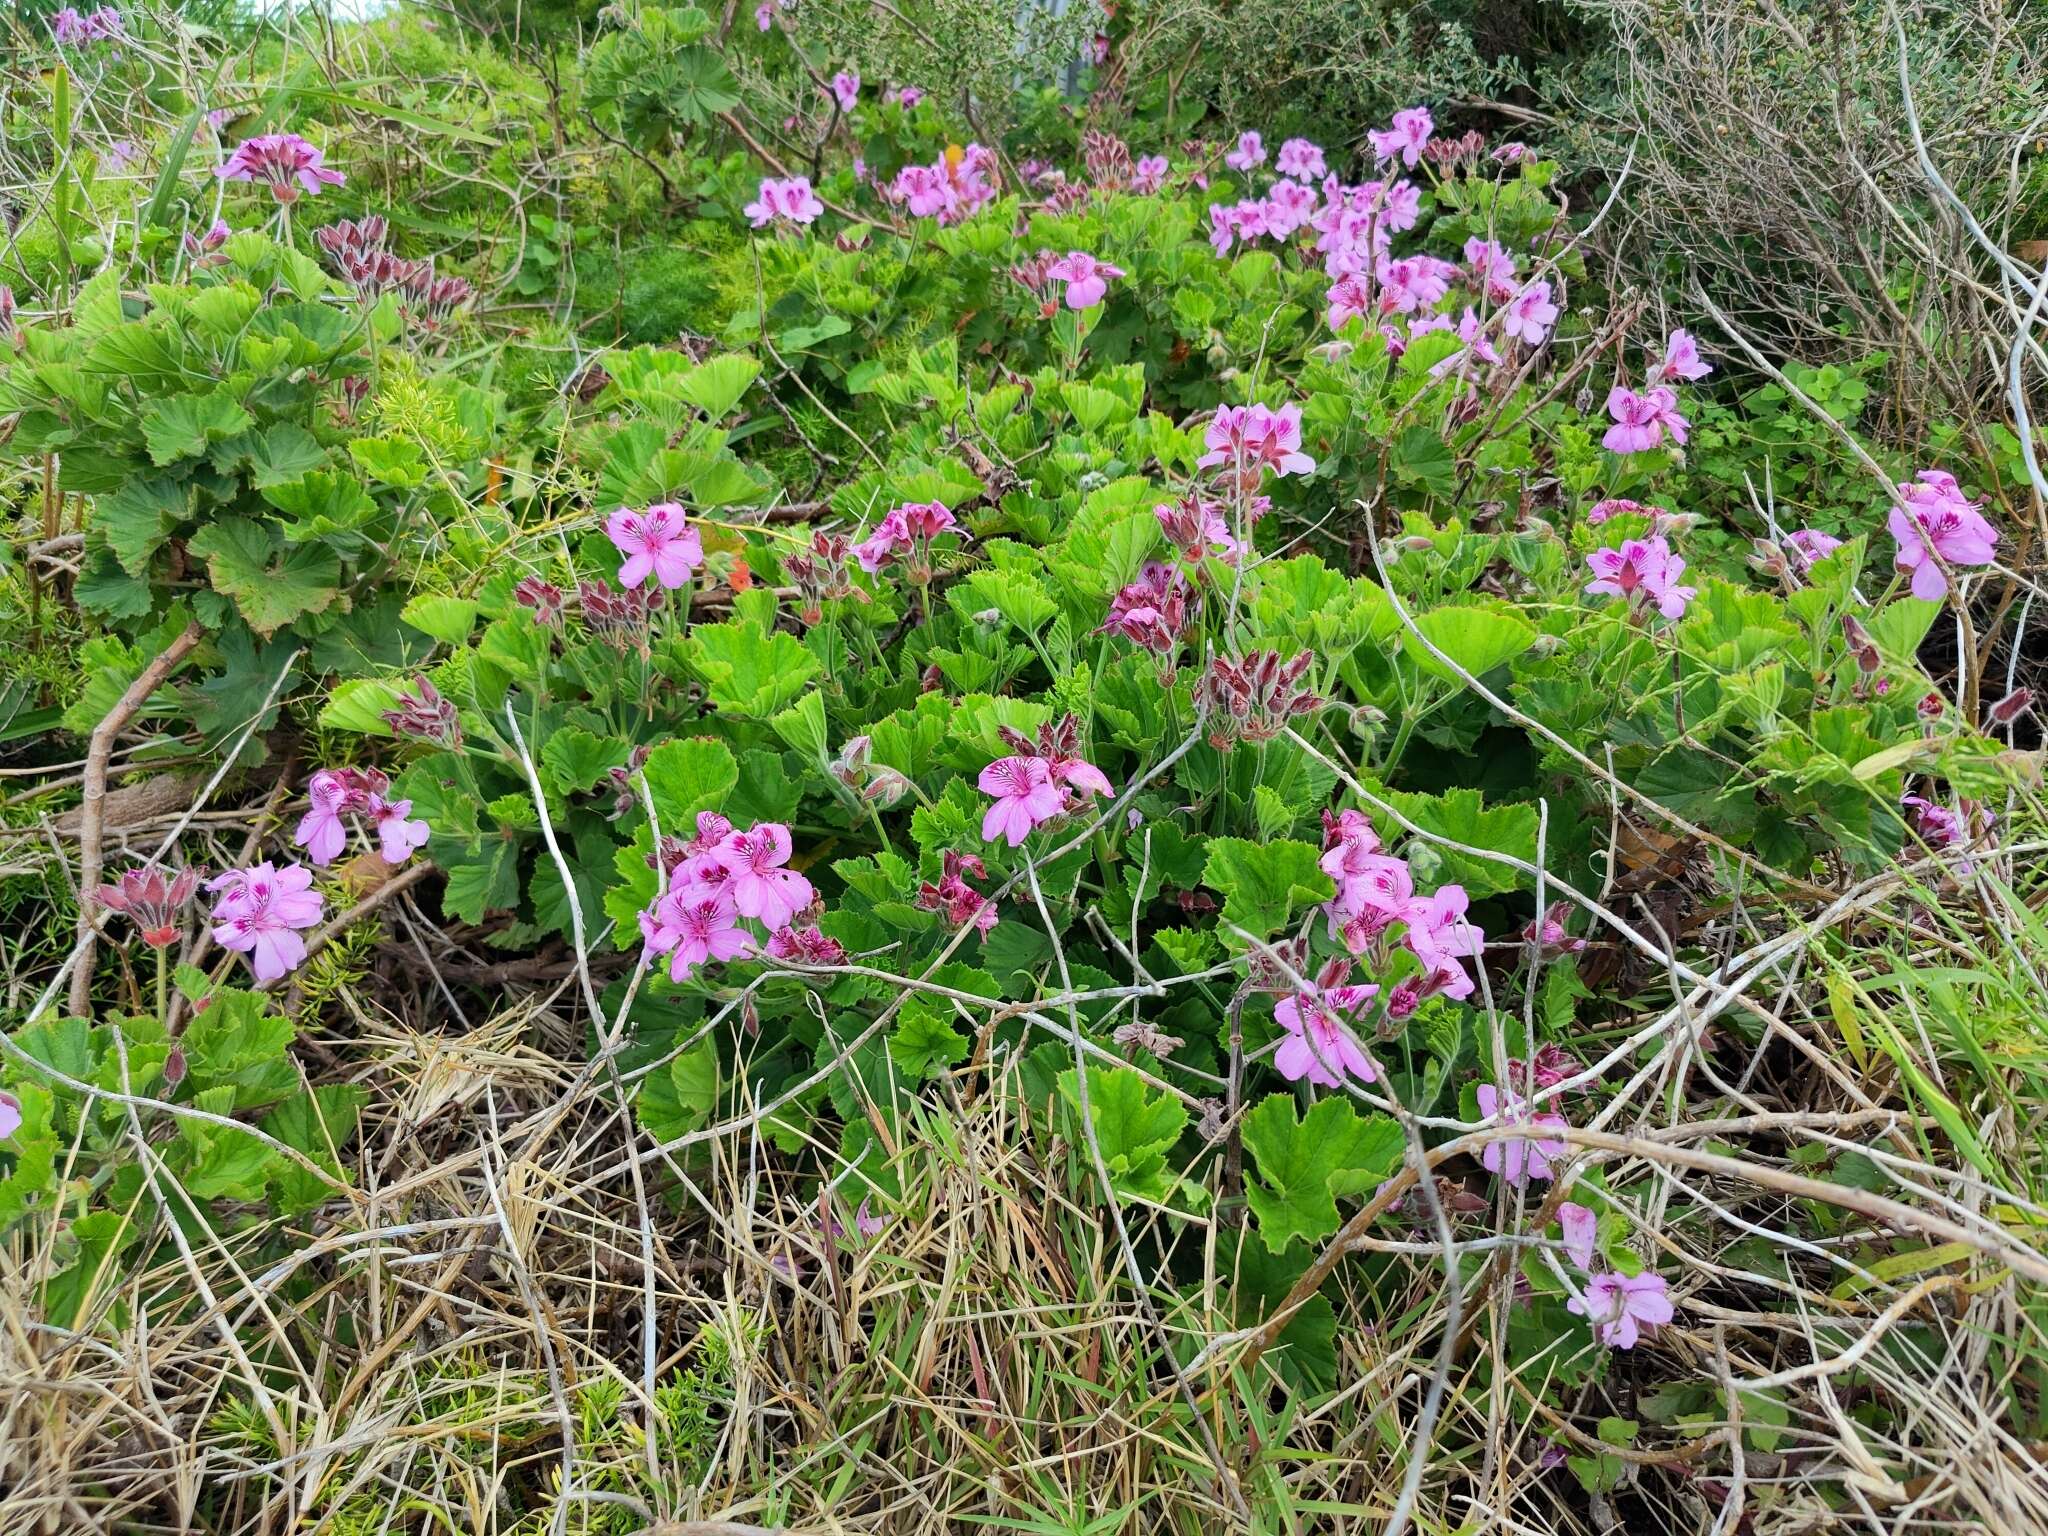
(1930, 706)
(174, 1067)
(2012, 706)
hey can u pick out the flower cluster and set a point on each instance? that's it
(790, 200)
(906, 532)
(284, 162)
(620, 619)
(954, 187)
(261, 912)
(1041, 779)
(1376, 905)
(1244, 441)
(69, 29)
(1644, 571)
(1155, 610)
(953, 898)
(1641, 420)
(335, 793)
(721, 877)
(1317, 1045)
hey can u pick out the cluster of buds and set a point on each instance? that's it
(1453, 154)
(1067, 196)
(1551, 1065)
(876, 784)
(807, 945)
(1548, 936)
(1277, 968)
(543, 597)
(953, 898)
(1108, 159)
(424, 715)
(1409, 995)
(1034, 275)
(356, 247)
(355, 389)
(1196, 527)
(1254, 699)
(205, 249)
(1153, 611)
(1869, 664)
(619, 618)
(820, 575)
(151, 900)
(621, 780)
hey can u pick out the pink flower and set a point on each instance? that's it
(790, 200)
(320, 831)
(68, 29)
(260, 912)
(657, 542)
(1933, 517)
(1640, 421)
(1581, 1229)
(1085, 277)
(1620, 1307)
(1936, 825)
(1493, 269)
(764, 13)
(397, 837)
(1514, 152)
(1300, 158)
(283, 161)
(1551, 938)
(694, 933)
(1413, 283)
(1530, 315)
(1025, 795)
(1250, 151)
(952, 895)
(1348, 299)
(1374, 892)
(1289, 206)
(10, 1115)
(1518, 1160)
(1681, 360)
(1644, 571)
(1406, 139)
(760, 885)
(1249, 438)
(1348, 841)
(910, 527)
(1438, 934)
(1809, 546)
(1150, 174)
(846, 89)
(1318, 1045)
(907, 96)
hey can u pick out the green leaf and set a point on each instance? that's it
(803, 726)
(1462, 816)
(1304, 1164)
(138, 519)
(283, 453)
(715, 385)
(1264, 884)
(924, 1042)
(358, 706)
(685, 777)
(1134, 1127)
(1477, 637)
(749, 673)
(185, 426)
(482, 879)
(676, 1102)
(393, 461)
(324, 505)
(576, 759)
(1420, 457)
(447, 618)
(270, 585)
